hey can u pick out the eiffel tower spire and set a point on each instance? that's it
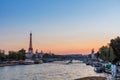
(30, 44)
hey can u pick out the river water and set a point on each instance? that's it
(48, 71)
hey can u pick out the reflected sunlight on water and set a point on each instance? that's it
(47, 71)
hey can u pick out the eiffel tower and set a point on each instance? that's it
(30, 50)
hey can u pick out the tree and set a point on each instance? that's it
(2, 55)
(22, 50)
(104, 53)
(21, 54)
(13, 55)
(115, 45)
(97, 54)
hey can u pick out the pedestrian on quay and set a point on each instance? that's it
(114, 71)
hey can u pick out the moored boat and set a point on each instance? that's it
(28, 62)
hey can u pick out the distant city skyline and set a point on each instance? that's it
(59, 26)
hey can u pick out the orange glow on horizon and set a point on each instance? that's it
(62, 48)
(59, 46)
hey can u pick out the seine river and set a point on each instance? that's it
(48, 71)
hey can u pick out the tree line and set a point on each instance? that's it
(20, 55)
(12, 55)
(110, 52)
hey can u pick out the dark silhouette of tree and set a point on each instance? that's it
(12, 55)
(115, 45)
(2, 55)
(104, 52)
(97, 54)
(21, 54)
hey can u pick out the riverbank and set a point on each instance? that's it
(92, 78)
(2, 65)
(24, 62)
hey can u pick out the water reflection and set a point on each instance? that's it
(47, 71)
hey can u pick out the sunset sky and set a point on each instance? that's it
(59, 26)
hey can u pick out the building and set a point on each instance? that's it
(38, 57)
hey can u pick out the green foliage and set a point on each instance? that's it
(112, 56)
(2, 55)
(115, 45)
(113, 53)
(12, 55)
(20, 55)
(97, 54)
(106, 54)
(47, 55)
